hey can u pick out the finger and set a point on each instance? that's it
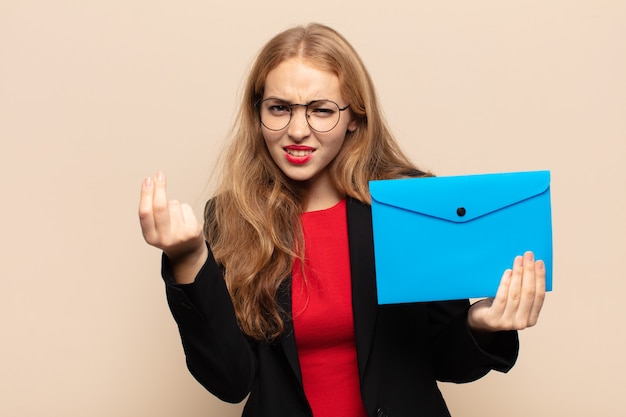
(160, 205)
(192, 221)
(189, 217)
(528, 290)
(540, 292)
(515, 289)
(175, 215)
(498, 305)
(146, 215)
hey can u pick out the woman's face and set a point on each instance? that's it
(302, 153)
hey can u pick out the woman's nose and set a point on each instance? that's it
(299, 126)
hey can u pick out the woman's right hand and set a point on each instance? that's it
(173, 228)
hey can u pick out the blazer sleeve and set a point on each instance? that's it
(217, 352)
(458, 355)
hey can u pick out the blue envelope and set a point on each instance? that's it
(448, 238)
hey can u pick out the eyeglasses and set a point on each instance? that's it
(321, 115)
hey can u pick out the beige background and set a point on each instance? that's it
(96, 95)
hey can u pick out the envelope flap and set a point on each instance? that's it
(460, 198)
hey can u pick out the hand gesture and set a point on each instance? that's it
(173, 228)
(518, 300)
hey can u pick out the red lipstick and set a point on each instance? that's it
(298, 154)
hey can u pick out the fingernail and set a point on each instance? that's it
(160, 176)
(540, 265)
(530, 256)
(519, 260)
(147, 182)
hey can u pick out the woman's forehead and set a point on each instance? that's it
(299, 80)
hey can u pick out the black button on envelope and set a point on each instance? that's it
(450, 238)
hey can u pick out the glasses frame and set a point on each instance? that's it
(306, 113)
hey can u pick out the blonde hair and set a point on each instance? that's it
(252, 225)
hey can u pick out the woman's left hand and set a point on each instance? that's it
(518, 300)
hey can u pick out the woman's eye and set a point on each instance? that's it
(279, 108)
(322, 108)
(322, 111)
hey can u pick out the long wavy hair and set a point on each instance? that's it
(252, 224)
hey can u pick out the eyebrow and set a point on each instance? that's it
(308, 102)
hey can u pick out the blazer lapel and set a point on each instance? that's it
(364, 299)
(287, 339)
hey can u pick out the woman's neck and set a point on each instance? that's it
(319, 194)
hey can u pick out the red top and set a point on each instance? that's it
(322, 316)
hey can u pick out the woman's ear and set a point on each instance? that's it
(352, 125)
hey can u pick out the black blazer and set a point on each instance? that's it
(402, 350)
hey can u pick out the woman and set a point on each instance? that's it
(276, 298)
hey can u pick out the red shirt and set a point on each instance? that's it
(322, 316)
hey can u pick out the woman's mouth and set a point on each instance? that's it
(298, 154)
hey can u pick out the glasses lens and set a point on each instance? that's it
(323, 115)
(275, 114)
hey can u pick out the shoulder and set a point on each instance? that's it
(355, 205)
